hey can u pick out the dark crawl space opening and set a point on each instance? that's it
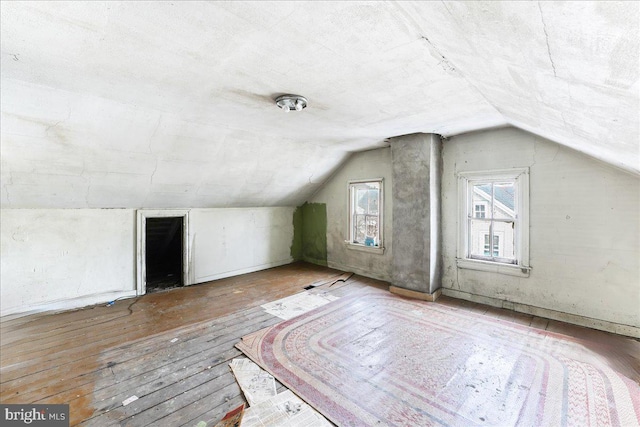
(163, 255)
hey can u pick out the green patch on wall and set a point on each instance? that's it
(310, 233)
(296, 244)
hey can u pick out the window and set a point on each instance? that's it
(494, 225)
(480, 211)
(496, 246)
(365, 214)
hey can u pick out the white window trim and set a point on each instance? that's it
(521, 176)
(349, 241)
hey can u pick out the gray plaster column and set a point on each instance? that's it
(416, 163)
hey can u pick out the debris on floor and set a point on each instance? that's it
(233, 418)
(342, 278)
(295, 305)
(266, 408)
(129, 400)
(284, 410)
(257, 384)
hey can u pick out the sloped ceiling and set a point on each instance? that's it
(170, 104)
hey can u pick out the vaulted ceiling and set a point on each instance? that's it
(170, 104)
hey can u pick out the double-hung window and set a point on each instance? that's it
(365, 214)
(494, 223)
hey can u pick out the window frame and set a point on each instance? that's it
(352, 184)
(466, 207)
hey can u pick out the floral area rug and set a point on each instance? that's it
(379, 359)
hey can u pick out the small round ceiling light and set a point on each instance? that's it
(291, 102)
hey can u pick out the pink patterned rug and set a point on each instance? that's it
(379, 359)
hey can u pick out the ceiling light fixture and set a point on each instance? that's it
(291, 102)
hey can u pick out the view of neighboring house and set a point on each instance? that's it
(492, 221)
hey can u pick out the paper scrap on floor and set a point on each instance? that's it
(257, 384)
(284, 410)
(129, 400)
(295, 305)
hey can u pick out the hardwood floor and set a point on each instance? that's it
(171, 349)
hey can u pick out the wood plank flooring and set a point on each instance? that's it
(171, 349)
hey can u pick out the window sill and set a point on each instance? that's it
(363, 248)
(494, 267)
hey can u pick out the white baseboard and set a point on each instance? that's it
(251, 269)
(84, 301)
(67, 304)
(603, 325)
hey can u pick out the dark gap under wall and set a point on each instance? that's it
(310, 233)
(163, 255)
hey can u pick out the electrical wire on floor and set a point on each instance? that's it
(110, 303)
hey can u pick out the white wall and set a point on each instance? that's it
(49, 256)
(584, 231)
(227, 242)
(334, 193)
(67, 258)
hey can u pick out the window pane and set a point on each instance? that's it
(491, 224)
(373, 202)
(504, 200)
(478, 232)
(365, 213)
(359, 228)
(481, 199)
(368, 198)
(371, 237)
(485, 250)
(362, 200)
(504, 240)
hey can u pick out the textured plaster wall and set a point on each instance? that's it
(415, 199)
(53, 255)
(228, 242)
(67, 258)
(584, 228)
(371, 164)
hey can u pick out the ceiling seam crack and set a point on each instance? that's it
(444, 62)
(153, 134)
(48, 128)
(454, 70)
(6, 190)
(546, 38)
(153, 173)
(6, 186)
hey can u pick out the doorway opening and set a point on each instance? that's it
(164, 253)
